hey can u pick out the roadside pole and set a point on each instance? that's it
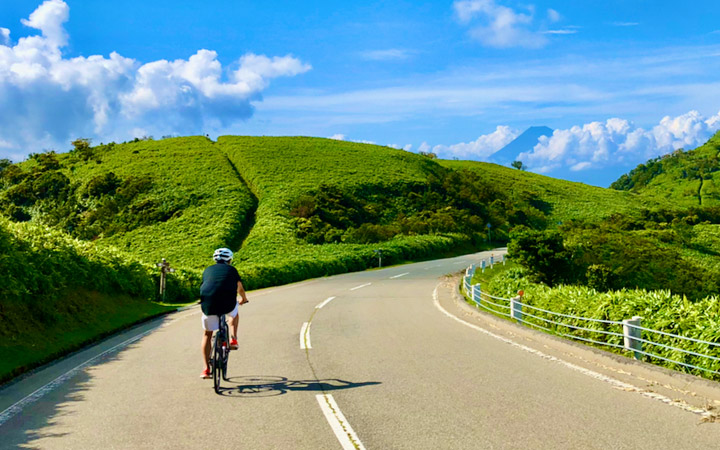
(164, 270)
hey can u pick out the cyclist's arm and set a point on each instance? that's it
(241, 293)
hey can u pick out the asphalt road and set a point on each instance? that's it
(391, 361)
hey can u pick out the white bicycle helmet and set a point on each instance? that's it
(223, 254)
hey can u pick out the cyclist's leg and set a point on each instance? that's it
(234, 321)
(210, 324)
(206, 347)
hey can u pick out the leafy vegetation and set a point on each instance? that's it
(561, 200)
(687, 178)
(659, 309)
(449, 202)
(68, 290)
(173, 199)
(325, 206)
(622, 253)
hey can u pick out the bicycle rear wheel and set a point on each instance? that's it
(217, 363)
(225, 358)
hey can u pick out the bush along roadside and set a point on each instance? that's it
(59, 293)
(659, 309)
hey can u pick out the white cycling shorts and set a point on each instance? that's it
(212, 323)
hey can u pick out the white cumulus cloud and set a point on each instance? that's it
(47, 99)
(481, 148)
(499, 26)
(601, 144)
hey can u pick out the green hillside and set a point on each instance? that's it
(173, 198)
(58, 293)
(685, 178)
(564, 200)
(281, 170)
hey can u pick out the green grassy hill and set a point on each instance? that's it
(684, 178)
(279, 170)
(564, 200)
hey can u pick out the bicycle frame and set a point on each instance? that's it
(220, 352)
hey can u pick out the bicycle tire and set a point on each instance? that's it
(226, 356)
(225, 336)
(217, 364)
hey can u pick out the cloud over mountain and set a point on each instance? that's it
(616, 141)
(479, 149)
(47, 99)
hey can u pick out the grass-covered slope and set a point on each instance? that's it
(173, 198)
(279, 170)
(210, 204)
(685, 178)
(564, 200)
(57, 293)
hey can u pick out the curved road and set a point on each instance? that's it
(391, 360)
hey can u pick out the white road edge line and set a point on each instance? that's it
(305, 336)
(361, 286)
(35, 396)
(325, 303)
(401, 275)
(617, 384)
(339, 424)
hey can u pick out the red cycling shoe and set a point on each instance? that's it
(206, 373)
(233, 344)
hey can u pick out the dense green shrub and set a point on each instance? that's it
(659, 309)
(542, 253)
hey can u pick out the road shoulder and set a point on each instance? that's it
(642, 377)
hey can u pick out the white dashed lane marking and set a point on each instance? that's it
(325, 302)
(360, 287)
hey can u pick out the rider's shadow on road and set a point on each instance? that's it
(269, 386)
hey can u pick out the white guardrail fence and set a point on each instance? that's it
(628, 334)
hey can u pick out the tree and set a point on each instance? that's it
(4, 164)
(82, 148)
(430, 155)
(518, 165)
(542, 253)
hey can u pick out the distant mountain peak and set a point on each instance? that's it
(523, 143)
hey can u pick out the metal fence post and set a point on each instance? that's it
(482, 265)
(631, 334)
(492, 260)
(516, 306)
(476, 293)
(503, 259)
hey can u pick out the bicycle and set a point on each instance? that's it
(220, 354)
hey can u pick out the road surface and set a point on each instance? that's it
(383, 359)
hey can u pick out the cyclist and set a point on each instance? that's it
(219, 292)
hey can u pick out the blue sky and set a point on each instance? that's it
(619, 81)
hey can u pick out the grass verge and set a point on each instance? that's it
(82, 318)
